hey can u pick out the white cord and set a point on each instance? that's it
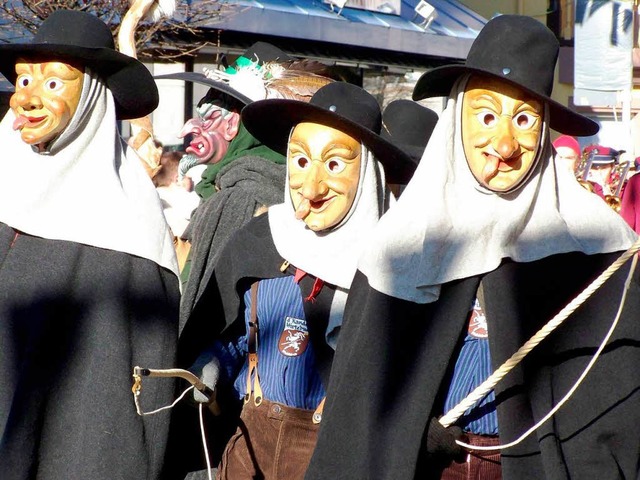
(202, 432)
(204, 442)
(577, 383)
(140, 412)
(485, 387)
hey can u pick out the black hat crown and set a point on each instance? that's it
(263, 52)
(340, 105)
(350, 102)
(516, 48)
(519, 50)
(408, 125)
(74, 28)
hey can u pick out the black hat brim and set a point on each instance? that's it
(414, 152)
(439, 81)
(271, 121)
(202, 79)
(132, 85)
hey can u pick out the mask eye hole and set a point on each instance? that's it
(302, 162)
(524, 121)
(53, 84)
(335, 165)
(486, 118)
(23, 81)
(212, 120)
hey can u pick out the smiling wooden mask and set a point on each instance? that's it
(324, 172)
(46, 97)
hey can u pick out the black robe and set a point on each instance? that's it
(394, 361)
(74, 321)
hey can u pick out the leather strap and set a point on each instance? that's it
(252, 343)
(317, 415)
(252, 346)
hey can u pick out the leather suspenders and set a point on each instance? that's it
(252, 346)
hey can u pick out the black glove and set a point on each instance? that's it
(440, 441)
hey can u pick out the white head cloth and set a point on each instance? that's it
(332, 255)
(445, 226)
(84, 188)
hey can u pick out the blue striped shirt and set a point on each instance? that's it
(473, 366)
(286, 363)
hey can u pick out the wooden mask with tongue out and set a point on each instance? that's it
(324, 172)
(501, 128)
(46, 97)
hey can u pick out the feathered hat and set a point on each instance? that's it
(262, 71)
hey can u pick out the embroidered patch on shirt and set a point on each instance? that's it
(294, 337)
(478, 322)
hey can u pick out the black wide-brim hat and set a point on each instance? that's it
(259, 53)
(340, 105)
(408, 125)
(75, 36)
(521, 51)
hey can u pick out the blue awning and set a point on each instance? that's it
(5, 85)
(449, 36)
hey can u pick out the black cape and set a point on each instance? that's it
(394, 360)
(74, 321)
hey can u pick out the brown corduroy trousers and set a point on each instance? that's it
(273, 442)
(478, 465)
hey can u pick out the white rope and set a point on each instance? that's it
(204, 443)
(556, 321)
(574, 387)
(136, 400)
(137, 389)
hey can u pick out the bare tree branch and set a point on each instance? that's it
(20, 19)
